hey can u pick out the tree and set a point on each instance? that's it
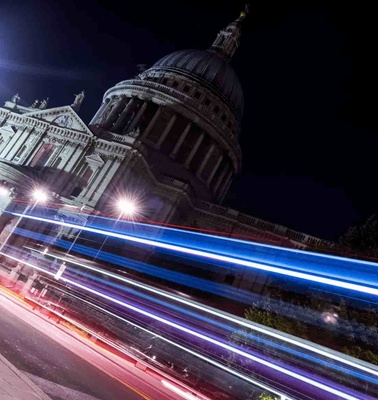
(362, 237)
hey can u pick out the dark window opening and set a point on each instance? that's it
(76, 191)
(186, 88)
(207, 102)
(197, 94)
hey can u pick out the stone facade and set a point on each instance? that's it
(168, 137)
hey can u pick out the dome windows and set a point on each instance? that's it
(186, 88)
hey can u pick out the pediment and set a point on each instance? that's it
(94, 159)
(64, 117)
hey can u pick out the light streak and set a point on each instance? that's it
(216, 342)
(224, 316)
(217, 257)
(179, 346)
(177, 390)
(251, 357)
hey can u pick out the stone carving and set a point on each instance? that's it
(16, 98)
(134, 133)
(43, 104)
(79, 98)
(35, 104)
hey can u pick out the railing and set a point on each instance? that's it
(261, 224)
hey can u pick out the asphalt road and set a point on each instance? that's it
(58, 371)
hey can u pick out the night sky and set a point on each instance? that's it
(308, 70)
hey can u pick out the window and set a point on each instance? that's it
(207, 102)
(197, 94)
(19, 153)
(57, 162)
(216, 109)
(87, 174)
(174, 84)
(223, 117)
(42, 155)
(164, 81)
(186, 88)
(76, 191)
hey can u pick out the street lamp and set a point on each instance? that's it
(4, 192)
(127, 208)
(39, 196)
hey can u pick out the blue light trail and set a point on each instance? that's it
(223, 256)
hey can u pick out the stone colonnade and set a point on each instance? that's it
(171, 133)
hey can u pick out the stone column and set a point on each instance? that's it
(12, 146)
(166, 130)
(194, 150)
(113, 114)
(14, 274)
(102, 118)
(225, 182)
(136, 118)
(181, 140)
(99, 113)
(124, 114)
(220, 179)
(21, 141)
(225, 187)
(205, 160)
(214, 170)
(102, 180)
(29, 283)
(151, 123)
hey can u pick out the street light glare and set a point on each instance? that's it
(40, 196)
(127, 207)
(3, 191)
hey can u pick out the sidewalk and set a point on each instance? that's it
(14, 385)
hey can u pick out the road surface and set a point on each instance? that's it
(69, 369)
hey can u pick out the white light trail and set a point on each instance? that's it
(217, 257)
(268, 364)
(224, 316)
(179, 346)
(180, 392)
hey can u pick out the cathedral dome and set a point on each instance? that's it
(211, 70)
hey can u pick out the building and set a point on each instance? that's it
(167, 138)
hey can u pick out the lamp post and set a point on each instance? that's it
(127, 208)
(39, 196)
(63, 266)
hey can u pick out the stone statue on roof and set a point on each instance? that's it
(79, 98)
(43, 104)
(16, 98)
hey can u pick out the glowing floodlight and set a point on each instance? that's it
(127, 207)
(40, 196)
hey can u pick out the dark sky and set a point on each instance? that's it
(308, 70)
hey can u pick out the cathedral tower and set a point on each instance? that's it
(184, 114)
